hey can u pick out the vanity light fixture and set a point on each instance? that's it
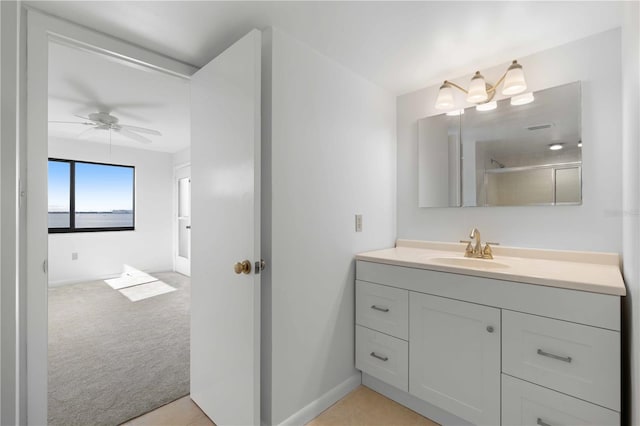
(480, 91)
(556, 146)
(487, 106)
(456, 112)
(523, 99)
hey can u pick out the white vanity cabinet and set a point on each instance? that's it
(488, 351)
(455, 356)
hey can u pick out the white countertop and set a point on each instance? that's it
(584, 271)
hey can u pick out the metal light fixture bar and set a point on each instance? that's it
(480, 91)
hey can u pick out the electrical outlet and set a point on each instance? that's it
(74, 256)
(358, 223)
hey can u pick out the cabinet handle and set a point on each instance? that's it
(558, 357)
(542, 422)
(380, 357)
(490, 328)
(378, 308)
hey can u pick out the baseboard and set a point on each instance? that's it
(313, 410)
(60, 283)
(430, 411)
(93, 278)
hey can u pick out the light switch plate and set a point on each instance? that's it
(358, 223)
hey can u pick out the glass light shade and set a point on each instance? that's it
(487, 107)
(514, 81)
(445, 97)
(477, 89)
(525, 98)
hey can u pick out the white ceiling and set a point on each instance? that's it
(82, 82)
(401, 46)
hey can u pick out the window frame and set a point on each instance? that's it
(72, 199)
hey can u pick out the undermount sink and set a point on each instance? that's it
(467, 262)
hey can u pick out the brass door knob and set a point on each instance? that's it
(243, 267)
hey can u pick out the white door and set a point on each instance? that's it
(225, 213)
(183, 220)
(454, 357)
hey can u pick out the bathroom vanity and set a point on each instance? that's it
(531, 337)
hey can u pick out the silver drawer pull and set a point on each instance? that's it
(380, 357)
(542, 422)
(378, 308)
(558, 357)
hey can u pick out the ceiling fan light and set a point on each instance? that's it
(523, 99)
(514, 81)
(445, 97)
(477, 89)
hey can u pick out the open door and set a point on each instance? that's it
(225, 217)
(182, 249)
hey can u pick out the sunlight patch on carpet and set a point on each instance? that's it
(145, 291)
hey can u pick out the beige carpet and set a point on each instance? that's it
(111, 359)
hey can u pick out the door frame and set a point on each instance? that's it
(41, 30)
(176, 203)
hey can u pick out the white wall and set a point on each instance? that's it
(329, 153)
(103, 254)
(631, 200)
(9, 134)
(597, 224)
(183, 157)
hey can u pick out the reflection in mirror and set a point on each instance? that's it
(439, 161)
(512, 155)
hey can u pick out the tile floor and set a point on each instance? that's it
(362, 407)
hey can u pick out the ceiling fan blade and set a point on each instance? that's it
(73, 122)
(84, 118)
(136, 137)
(140, 129)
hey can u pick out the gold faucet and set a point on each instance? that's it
(476, 250)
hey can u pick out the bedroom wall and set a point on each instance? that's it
(103, 254)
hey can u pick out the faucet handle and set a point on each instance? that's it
(468, 251)
(487, 253)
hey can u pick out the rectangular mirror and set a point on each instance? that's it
(511, 155)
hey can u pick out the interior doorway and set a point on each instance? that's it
(225, 125)
(183, 220)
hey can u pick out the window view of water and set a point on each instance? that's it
(92, 220)
(98, 195)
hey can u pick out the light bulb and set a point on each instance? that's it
(455, 113)
(477, 89)
(514, 81)
(487, 106)
(445, 97)
(525, 98)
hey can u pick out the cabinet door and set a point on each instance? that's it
(454, 357)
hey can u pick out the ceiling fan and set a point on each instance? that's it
(106, 121)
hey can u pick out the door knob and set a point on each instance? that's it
(242, 267)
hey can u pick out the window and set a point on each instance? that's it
(89, 197)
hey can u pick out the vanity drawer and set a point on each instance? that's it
(575, 359)
(525, 404)
(383, 357)
(383, 308)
